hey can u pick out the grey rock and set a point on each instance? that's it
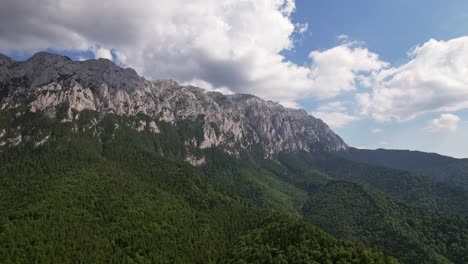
(232, 121)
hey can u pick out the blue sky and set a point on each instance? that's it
(391, 29)
(346, 62)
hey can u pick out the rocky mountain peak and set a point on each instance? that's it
(5, 60)
(47, 59)
(232, 122)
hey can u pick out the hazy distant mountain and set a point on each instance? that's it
(439, 167)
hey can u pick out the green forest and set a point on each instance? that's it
(99, 191)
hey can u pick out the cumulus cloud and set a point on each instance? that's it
(376, 130)
(207, 86)
(446, 122)
(342, 37)
(434, 80)
(102, 53)
(235, 45)
(339, 68)
(335, 114)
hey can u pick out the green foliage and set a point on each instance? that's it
(251, 182)
(70, 203)
(414, 189)
(406, 215)
(100, 192)
(356, 212)
(285, 239)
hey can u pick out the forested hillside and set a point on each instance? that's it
(414, 189)
(356, 212)
(113, 198)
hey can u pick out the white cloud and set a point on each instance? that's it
(361, 147)
(334, 119)
(102, 53)
(342, 37)
(434, 80)
(335, 114)
(338, 69)
(302, 28)
(207, 86)
(446, 122)
(81, 58)
(231, 44)
(236, 46)
(376, 130)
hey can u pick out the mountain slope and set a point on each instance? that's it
(414, 189)
(440, 168)
(356, 212)
(403, 214)
(111, 197)
(283, 240)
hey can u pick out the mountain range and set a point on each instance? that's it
(233, 122)
(98, 164)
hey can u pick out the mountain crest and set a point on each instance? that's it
(233, 122)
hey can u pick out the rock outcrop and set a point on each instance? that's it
(233, 121)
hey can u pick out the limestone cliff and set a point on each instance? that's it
(231, 121)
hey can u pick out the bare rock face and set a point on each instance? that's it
(231, 121)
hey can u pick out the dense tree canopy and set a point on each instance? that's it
(100, 191)
(112, 197)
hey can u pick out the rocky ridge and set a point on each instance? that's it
(233, 122)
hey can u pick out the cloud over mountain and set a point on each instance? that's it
(238, 46)
(228, 45)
